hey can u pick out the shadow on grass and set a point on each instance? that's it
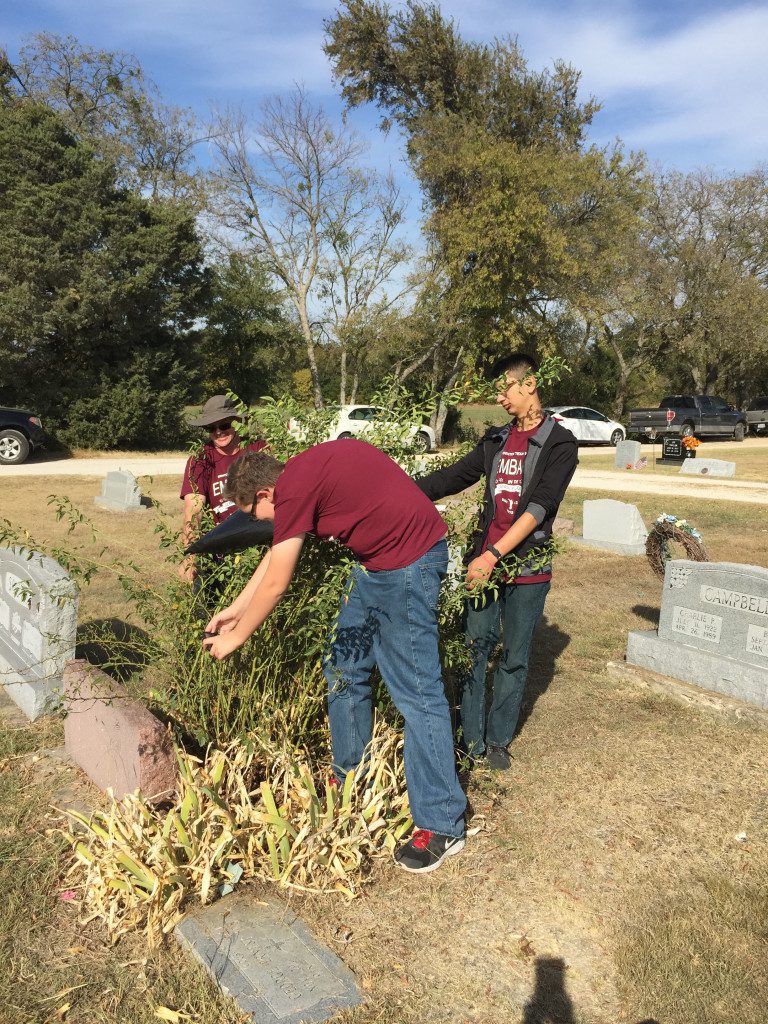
(115, 646)
(549, 642)
(647, 612)
(550, 1002)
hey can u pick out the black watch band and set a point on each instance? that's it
(494, 551)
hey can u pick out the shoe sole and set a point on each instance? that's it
(452, 850)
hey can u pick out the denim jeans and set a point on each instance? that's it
(519, 607)
(389, 619)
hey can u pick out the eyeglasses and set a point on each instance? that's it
(224, 427)
(252, 513)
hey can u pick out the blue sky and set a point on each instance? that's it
(685, 81)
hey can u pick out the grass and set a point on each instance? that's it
(607, 884)
(751, 458)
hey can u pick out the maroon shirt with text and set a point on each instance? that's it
(351, 492)
(206, 474)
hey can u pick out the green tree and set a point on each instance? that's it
(98, 286)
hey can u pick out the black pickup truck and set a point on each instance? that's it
(757, 415)
(691, 414)
(21, 432)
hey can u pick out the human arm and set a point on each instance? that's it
(455, 478)
(227, 618)
(265, 595)
(193, 509)
(480, 568)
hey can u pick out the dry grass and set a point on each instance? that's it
(609, 885)
(751, 458)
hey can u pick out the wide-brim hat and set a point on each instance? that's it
(217, 408)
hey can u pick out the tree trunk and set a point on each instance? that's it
(441, 409)
(306, 330)
(343, 374)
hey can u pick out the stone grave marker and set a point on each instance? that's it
(614, 526)
(713, 629)
(38, 622)
(708, 467)
(674, 452)
(268, 961)
(120, 493)
(627, 454)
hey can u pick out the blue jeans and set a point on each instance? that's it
(519, 607)
(389, 619)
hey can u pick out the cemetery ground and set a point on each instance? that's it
(619, 876)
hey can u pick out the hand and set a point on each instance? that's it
(478, 571)
(220, 646)
(187, 571)
(223, 621)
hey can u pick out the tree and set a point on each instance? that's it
(97, 285)
(291, 188)
(104, 98)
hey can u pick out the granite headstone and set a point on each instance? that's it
(674, 452)
(38, 622)
(265, 958)
(708, 467)
(120, 493)
(613, 525)
(627, 454)
(713, 629)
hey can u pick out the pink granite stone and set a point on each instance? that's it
(117, 742)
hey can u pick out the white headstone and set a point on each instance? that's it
(613, 525)
(120, 493)
(627, 454)
(713, 629)
(38, 622)
(708, 467)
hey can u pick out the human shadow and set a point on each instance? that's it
(118, 648)
(647, 612)
(550, 1002)
(549, 642)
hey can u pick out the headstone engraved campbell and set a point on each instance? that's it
(268, 961)
(627, 454)
(613, 525)
(120, 493)
(38, 622)
(708, 467)
(713, 629)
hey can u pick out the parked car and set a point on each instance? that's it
(692, 414)
(357, 420)
(588, 426)
(757, 415)
(21, 432)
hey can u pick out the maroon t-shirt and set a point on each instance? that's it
(351, 492)
(507, 489)
(206, 474)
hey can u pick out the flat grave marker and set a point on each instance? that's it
(708, 467)
(713, 629)
(38, 622)
(268, 961)
(120, 493)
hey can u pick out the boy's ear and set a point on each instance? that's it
(266, 492)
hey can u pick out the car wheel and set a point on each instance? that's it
(738, 432)
(617, 437)
(686, 430)
(344, 435)
(421, 442)
(14, 447)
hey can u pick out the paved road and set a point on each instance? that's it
(586, 478)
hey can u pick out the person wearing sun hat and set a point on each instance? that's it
(206, 473)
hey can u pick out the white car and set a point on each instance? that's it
(588, 426)
(355, 420)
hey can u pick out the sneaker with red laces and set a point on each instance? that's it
(427, 850)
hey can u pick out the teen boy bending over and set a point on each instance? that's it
(527, 466)
(352, 492)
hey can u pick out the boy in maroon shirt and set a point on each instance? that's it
(353, 493)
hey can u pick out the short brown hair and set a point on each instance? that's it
(252, 472)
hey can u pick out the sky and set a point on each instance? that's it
(684, 81)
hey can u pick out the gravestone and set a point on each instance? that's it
(614, 526)
(674, 452)
(38, 621)
(713, 629)
(708, 467)
(268, 961)
(120, 493)
(627, 454)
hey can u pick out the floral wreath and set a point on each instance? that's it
(669, 528)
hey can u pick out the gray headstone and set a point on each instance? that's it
(708, 467)
(268, 961)
(613, 525)
(627, 454)
(38, 622)
(713, 629)
(120, 493)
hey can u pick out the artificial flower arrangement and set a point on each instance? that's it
(670, 528)
(691, 443)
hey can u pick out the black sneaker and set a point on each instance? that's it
(498, 758)
(426, 850)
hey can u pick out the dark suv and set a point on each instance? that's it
(21, 432)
